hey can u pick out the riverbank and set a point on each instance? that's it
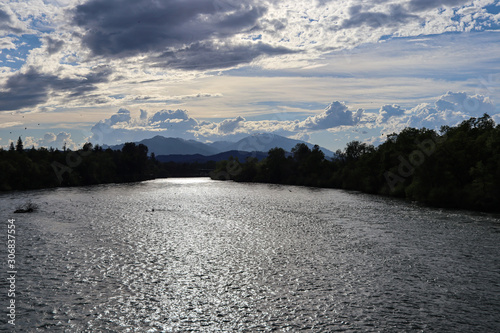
(459, 167)
(32, 169)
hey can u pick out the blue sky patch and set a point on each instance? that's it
(493, 9)
(15, 58)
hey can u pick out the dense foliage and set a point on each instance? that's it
(458, 167)
(22, 169)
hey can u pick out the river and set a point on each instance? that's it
(200, 255)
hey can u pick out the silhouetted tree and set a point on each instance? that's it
(87, 146)
(275, 165)
(19, 145)
(356, 149)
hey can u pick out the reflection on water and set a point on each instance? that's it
(201, 255)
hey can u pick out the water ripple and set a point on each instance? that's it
(200, 255)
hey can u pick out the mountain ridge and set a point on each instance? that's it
(262, 142)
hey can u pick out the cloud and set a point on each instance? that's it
(301, 136)
(7, 43)
(129, 27)
(121, 127)
(210, 55)
(388, 111)
(177, 120)
(166, 115)
(107, 131)
(449, 109)
(336, 114)
(496, 118)
(230, 125)
(51, 140)
(32, 88)
(9, 23)
(176, 34)
(161, 98)
(122, 115)
(421, 5)
(394, 15)
(10, 124)
(473, 106)
(54, 45)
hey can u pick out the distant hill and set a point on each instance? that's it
(266, 141)
(168, 146)
(241, 155)
(160, 145)
(221, 145)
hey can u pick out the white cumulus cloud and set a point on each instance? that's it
(229, 125)
(449, 109)
(388, 111)
(336, 114)
(51, 140)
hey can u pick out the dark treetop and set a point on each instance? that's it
(456, 168)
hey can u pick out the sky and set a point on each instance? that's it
(326, 72)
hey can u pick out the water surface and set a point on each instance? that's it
(203, 255)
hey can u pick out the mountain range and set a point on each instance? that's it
(160, 146)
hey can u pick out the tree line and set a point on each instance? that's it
(26, 169)
(457, 167)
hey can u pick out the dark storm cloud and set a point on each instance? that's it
(6, 23)
(206, 56)
(180, 30)
(396, 15)
(420, 5)
(127, 27)
(32, 88)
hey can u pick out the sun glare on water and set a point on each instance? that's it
(181, 181)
